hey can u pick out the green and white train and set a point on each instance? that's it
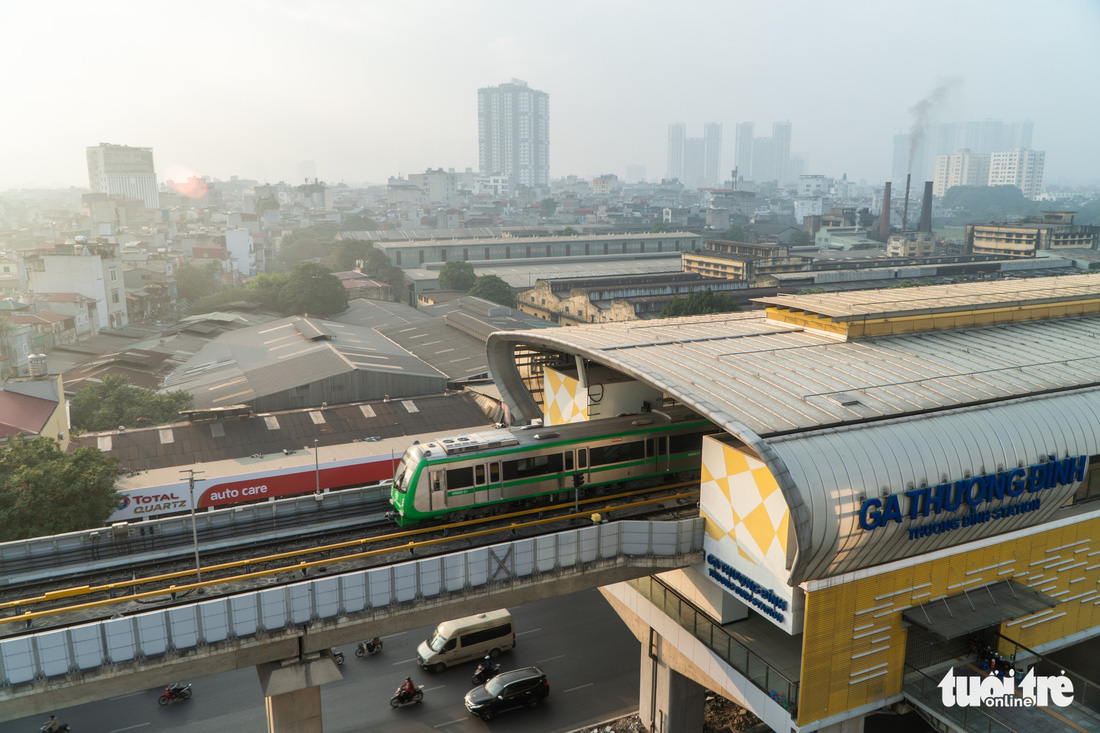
(464, 474)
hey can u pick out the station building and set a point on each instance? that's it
(900, 477)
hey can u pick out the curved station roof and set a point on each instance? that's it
(849, 396)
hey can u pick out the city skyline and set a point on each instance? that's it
(363, 92)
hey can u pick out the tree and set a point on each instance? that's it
(378, 266)
(735, 233)
(114, 401)
(491, 287)
(194, 282)
(569, 232)
(312, 288)
(989, 203)
(302, 245)
(456, 275)
(659, 227)
(800, 238)
(700, 303)
(358, 223)
(45, 491)
(349, 252)
(548, 206)
(265, 289)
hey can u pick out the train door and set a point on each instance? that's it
(487, 482)
(437, 481)
(651, 456)
(582, 464)
(662, 453)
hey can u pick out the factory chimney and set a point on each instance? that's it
(926, 209)
(905, 210)
(884, 217)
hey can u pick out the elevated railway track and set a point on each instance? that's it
(39, 605)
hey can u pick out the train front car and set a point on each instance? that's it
(468, 474)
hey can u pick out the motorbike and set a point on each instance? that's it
(370, 646)
(61, 728)
(485, 671)
(174, 693)
(338, 657)
(398, 701)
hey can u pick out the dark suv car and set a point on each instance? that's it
(519, 687)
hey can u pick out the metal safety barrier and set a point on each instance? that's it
(89, 646)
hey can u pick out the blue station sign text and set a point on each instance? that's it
(975, 491)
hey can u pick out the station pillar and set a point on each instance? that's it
(667, 700)
(292, 691)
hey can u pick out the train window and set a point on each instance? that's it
(568, 460)
(534, 466)
(649, 447)
(662, 446)
(437, 480)
(479, 474)
(684, 443)
(582, 458)
(460, 478)
(618, 453)
(494, 473)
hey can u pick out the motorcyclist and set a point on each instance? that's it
(406, 690)
(372, 644)
(52, 726)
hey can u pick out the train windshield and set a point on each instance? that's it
(405, 468)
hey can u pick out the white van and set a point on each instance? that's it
(467, 638)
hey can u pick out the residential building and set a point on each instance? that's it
(677, 132)
(1054, 231)
(742, 260)
(961, 168)
(771, 156)
(11, 280)
(917, 154)
(119, 170)
(34, 406)
(82, 309)
(242, 252)
(439, 186)
(1020, 167)
(911, 244)
(92, 270)
(514, 133)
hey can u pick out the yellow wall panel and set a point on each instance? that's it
(862, 618)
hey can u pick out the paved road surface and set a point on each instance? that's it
(590, 658)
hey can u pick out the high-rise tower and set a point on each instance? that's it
(676, 134)
(513, 133)
(118, 170)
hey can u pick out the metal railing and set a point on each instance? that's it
(927, 691)
(773, 682)
(1085, 691)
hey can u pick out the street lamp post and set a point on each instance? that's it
(194, 532)
(317, 467)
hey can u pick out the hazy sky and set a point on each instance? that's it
(373, 89)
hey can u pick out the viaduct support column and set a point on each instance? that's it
(293, 693)
(668, 701)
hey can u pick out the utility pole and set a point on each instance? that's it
(191, 473)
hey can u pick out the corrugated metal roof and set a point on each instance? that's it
(894, 302)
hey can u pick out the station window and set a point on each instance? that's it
(1090, 487)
